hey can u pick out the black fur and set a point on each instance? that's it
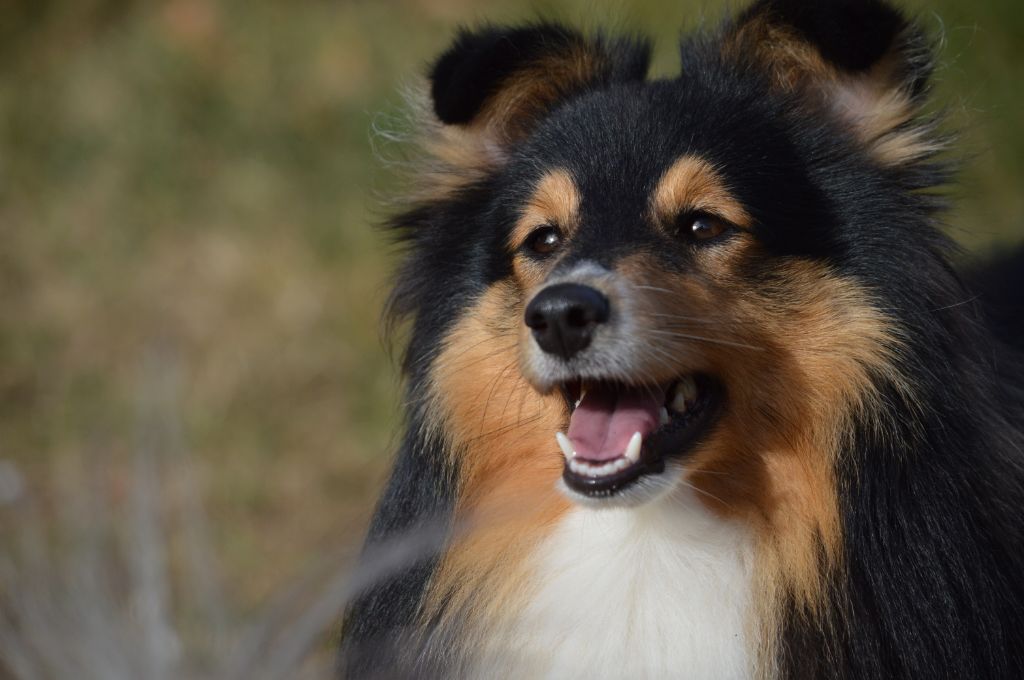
(931, 493)
(421, 490)
(932, 532)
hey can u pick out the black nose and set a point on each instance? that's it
(564, 316)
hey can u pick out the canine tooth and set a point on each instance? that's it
(633, 448)
(686, 394)
(688, 386)
(663, 416)
(565, 445)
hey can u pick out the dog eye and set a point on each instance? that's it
(701, 227)
(545, 240)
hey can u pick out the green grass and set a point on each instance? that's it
(196, 179)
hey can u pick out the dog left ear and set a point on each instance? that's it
(861, 59)
(503, 80)
(493, 85)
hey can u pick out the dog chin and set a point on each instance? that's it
(647, 490)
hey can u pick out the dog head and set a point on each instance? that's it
(634, 284)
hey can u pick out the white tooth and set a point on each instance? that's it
(679, 402)
(633, 448)
(688, 387)
(663, 416)
(685, 395)
(565, 445)
(577, 404)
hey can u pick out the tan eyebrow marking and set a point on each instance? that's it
(692, 184)
(555, 201)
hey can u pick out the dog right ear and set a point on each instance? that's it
(502, 81)
(862, 59)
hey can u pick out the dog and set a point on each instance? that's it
(696, 385)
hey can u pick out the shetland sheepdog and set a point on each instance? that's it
(692, 377)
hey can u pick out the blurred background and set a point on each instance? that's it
(190, 282)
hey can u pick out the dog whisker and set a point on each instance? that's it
(717, 341)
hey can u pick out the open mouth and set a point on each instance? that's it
(619, 433)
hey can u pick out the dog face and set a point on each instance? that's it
(668, 249)
(646, 281)
(671, 281)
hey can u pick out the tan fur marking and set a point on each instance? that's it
(691, 183)
(886, 126)
(438, 160)
(791, 62)
(556, 202)
(803, 349)
(502, 433)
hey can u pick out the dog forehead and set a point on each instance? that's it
(618, 142)
(616, 137)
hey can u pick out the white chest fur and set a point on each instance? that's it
(660, 591)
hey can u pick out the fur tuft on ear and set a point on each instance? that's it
(505, 79)
(862, 59)
(852, 35)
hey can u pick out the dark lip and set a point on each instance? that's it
(672, 441)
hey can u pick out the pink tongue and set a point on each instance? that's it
(604, 422)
